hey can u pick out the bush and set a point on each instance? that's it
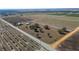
(31, 27)
(37, 25)
(60, 31)
(41, 30)
(38, 36)
(49, 35)
(46, 27)
(63, 31)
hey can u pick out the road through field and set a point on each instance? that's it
(57, 43)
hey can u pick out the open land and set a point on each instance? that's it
(54, 22)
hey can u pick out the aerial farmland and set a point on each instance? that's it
(48, 27)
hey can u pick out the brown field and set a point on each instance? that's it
(53, 20)
(44, 37)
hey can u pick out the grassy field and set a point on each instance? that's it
(55, 20)
(44, 36)
(52, 20)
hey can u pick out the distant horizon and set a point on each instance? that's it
(42, 9)
(37, 8)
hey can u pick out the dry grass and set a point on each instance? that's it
(52, 20)
(59, 21)
(44, 37)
